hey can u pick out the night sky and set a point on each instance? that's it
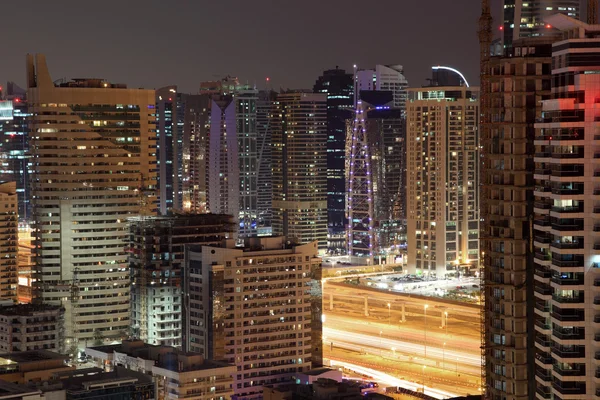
(156, 43)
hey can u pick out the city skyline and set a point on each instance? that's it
(326, 42)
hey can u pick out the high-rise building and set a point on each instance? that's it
(9, 233)
(566, 218)
(258, 307)
(169, 152)
(265, 116)
(525, 18)
(518, 81)
(383, 77)
(231, 152)
(300, 168)
(156, 247)
(14, 146)
(196, 123)
(93, 157)
(375, 151)
(339, 87)
(443, 179)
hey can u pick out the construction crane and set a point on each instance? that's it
(485, 43)
(592, 12)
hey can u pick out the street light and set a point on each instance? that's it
(443, 355)
(389, 313)
(380, 343)
(425, 307)
(424, 366)
(446, 324)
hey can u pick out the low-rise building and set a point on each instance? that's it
(31, 366)
(27, 327)
(178, 374)
(321, 389)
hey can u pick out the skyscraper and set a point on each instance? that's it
(525, 18)
(232, 152)
(265, 123)
(14, 146)
(339, 87)
(300, 168)
(566, 221)
(518, 81)
(443, 178)
(93, 157)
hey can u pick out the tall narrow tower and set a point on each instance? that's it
(359, 205)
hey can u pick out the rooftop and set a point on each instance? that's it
(27, 309)
(29, 356)
(11, 389)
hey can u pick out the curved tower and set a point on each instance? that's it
(359, 205)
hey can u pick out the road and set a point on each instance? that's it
(417, 349)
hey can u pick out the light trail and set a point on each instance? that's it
(390, 380)
(401, 346)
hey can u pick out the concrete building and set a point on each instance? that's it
(179, 375)
(231, 154)
(300, 168)
(443, 180)
(23, 367)
(93, 155)
(25, 264)
(9, 233)
(258, 307)
(11, 391)
(156, 246)
(523, 19)
(27, 327)
(339, 87)
(566, 218)
(519, 80)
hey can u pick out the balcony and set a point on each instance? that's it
(568, 299)
(544, 358)
(568, 263)
(567, 226)
(542, 239)
(542, 171)
(567, 245)
(543, 189)
(543, 391)
(544, 341)
(568, 371)
(567, 281)
(568, 314)
(568, 388)
(544, 290)
(542, 306)
(577, 352)
(564, 191)
(569, 334)
(543, 375)
(542, 256)
(567, 170)
(570, 209)
(542, 324)
(542, 272)
(542, 204)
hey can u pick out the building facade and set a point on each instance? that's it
(566, 219)
(232, 157)
(443, 179)
(27, 327)
(9, 235)
(526, 18)
(156, 246)
(519, 79)
(93, 156)
(259, 307)
(383, 77)
(265, 123)
(14, 146)
(300, 168)
(339, 87)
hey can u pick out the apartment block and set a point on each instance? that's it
(27, 327)
(93, 158)
(443, 180)
(566, 219)
(519, 80)
(300, 168)
(179, 375)
(257, 307)
(156, 248)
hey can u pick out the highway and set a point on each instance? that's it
(416, 350)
